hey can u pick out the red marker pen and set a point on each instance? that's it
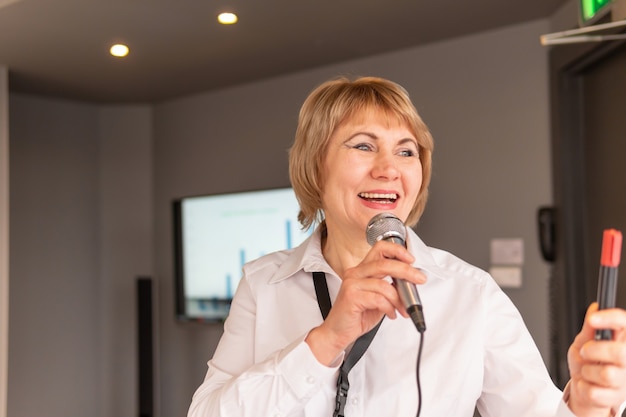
(607, 279)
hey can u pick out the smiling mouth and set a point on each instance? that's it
(386, 198)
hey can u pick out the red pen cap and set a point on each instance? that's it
(611, 248)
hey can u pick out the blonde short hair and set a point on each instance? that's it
(326, 108)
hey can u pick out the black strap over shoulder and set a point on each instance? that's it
(358, 349)
(321, 291)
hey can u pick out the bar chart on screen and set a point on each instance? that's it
(221, 233)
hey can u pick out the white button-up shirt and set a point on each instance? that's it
(477, 350)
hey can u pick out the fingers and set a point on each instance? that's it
(393, 260)
(602, 375)
(614, 319)
(392, 251)
(365, 296)
(383, 268)
(372, 275)
(588, 331)
(598, 367)
(360, 305)
(586, 349)
(370, 293)
(596, 396)
(366, 292)
(605, 352)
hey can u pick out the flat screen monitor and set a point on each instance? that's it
(215, 235)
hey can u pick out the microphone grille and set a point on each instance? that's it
(383, 226)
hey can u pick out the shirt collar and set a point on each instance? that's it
(424, 259)
(305, 257)
(308, 257)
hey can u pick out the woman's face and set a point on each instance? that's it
(372, 165)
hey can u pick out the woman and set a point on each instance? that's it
(361, 149)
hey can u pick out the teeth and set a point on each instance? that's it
(377, 196)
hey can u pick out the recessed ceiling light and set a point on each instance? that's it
(119, 50)
(227, 18)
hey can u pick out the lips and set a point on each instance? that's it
(385, 198)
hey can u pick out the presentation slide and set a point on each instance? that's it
(221, 233)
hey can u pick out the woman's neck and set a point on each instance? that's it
(343, 250)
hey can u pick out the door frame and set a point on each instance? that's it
(570, 290)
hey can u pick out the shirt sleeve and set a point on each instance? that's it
(516, 381)
(236, 386)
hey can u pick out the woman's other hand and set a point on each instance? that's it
(598, 367)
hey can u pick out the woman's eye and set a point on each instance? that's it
(408, 152)
(363, 146)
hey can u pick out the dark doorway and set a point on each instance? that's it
(588, 90)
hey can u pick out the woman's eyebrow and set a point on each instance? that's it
(409, 140)
(362, 132)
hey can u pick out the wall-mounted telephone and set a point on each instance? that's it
(547, 232)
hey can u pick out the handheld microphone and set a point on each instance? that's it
(386, 226)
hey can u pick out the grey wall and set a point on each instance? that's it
(125, 247)
(91, 189)
(81, 231)
(54, 338)
(485, 98)
(4, 237)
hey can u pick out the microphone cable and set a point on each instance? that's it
(417, 374)
(386, 226)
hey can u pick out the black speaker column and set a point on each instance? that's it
(145, 347)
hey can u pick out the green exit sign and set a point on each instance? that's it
(589, 9)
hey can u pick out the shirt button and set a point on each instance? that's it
(355, 400)
(310, 380)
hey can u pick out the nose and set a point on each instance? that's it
(384, 167)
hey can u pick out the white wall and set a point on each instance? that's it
(4, 237)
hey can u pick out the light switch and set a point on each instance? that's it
(507, 276)
(507, 251)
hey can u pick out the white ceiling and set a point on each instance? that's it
(60, 47)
